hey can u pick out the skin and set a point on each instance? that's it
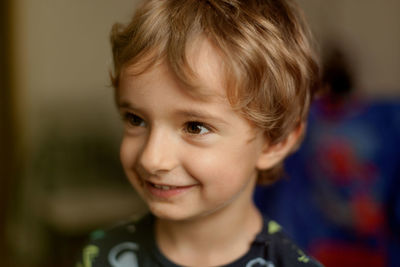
(204, 150)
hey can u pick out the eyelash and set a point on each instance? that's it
(189, 127)
(132, 119)
(197, 125)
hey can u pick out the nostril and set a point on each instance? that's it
(157, 154)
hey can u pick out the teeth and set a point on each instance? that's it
(164, 187)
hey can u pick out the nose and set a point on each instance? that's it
(158, 153)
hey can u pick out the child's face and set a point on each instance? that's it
(186, 157)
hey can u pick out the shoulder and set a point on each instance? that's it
(119, 245)
(281, 250)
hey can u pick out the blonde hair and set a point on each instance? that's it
(270, 69)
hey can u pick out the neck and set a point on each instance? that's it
(205, 239)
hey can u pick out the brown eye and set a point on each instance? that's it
(194, 127)
(134, 120)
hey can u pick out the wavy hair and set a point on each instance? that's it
(270, 67)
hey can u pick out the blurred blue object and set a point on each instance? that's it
(341, 198)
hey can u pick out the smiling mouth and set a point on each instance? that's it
(166, 191)
(164, 187)
(167, 187)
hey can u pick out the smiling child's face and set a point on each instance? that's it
(187, 157)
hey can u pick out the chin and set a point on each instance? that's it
(168, 214)
(164, 214)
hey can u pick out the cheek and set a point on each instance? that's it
(225, 168)
(129, 152)
(124, 154)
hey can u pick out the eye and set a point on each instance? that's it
(133, 120)
(196, 128)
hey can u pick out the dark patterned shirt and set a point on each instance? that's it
(133, 245)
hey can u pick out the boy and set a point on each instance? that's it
(213, 95)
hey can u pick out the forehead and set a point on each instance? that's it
(202, 74)
(208, 65)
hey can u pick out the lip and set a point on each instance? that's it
(167, 193)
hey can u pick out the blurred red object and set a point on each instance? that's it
(345, 255)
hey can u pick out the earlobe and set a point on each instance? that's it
(273, 154)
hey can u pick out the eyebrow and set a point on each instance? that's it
(199, 114)
(124, 104)
(190, 113)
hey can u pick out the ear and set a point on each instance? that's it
(273, 154)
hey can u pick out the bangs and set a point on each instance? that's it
(168, 32)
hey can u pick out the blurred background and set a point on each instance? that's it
(60, 175)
